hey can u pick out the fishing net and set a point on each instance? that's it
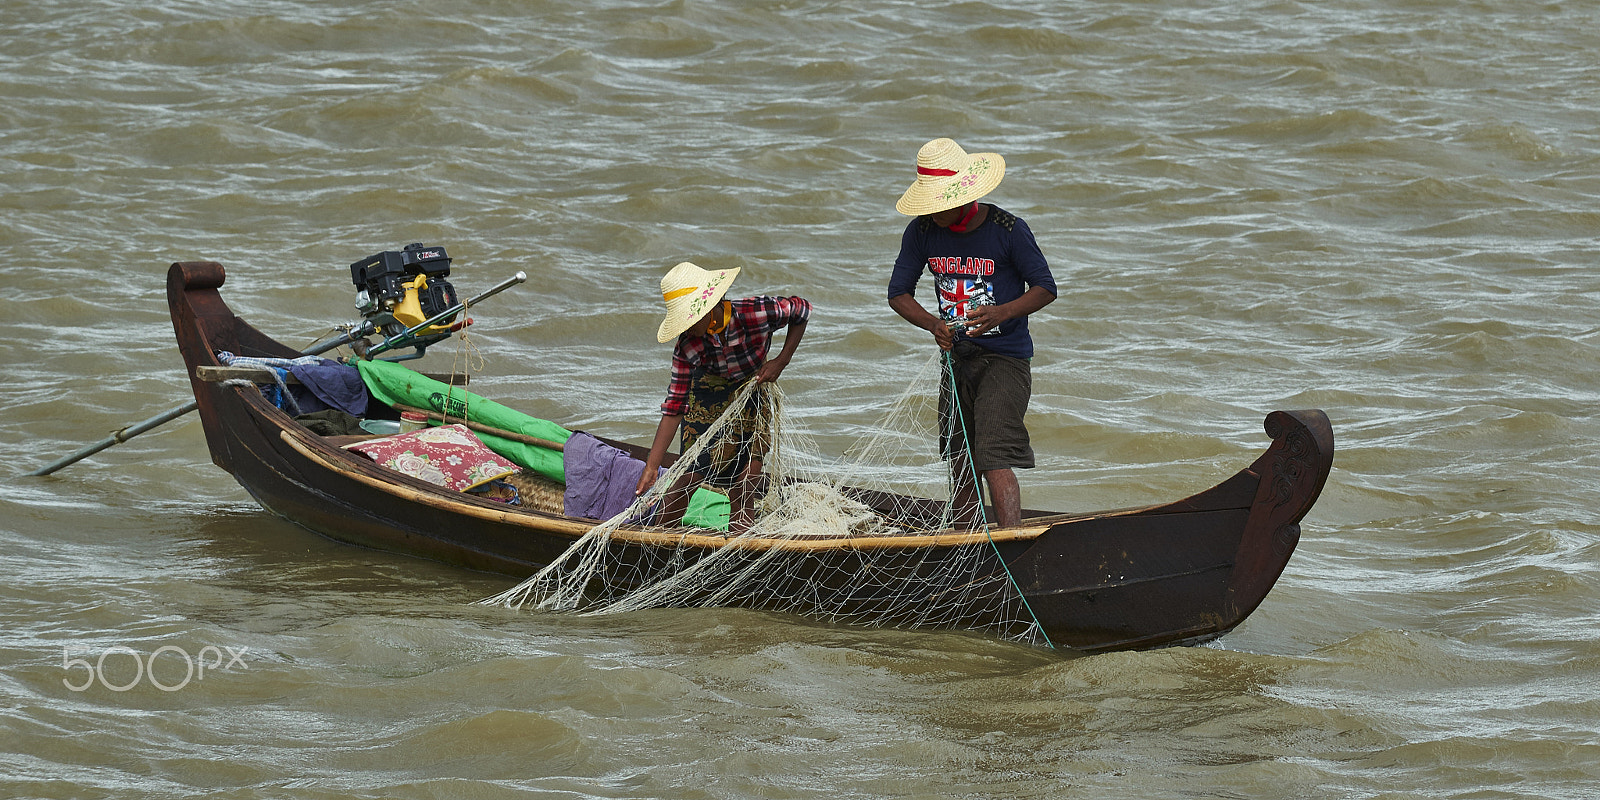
(862, 538)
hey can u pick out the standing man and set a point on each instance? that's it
(989, 275)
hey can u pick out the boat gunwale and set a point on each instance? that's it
(303, 444)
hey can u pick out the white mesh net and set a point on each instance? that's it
(865, 538)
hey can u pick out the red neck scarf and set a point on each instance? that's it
(961, 226)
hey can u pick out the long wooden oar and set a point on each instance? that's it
(124, 434)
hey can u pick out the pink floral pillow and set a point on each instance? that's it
(449, 455)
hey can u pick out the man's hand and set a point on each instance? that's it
(911, 311)
(983, 318)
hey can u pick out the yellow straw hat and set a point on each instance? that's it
(690, 292)
(948, 177)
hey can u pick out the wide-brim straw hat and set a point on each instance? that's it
(948, 176)
(690, 293)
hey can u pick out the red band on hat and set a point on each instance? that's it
(939, 172)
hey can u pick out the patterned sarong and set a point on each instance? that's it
(746, 436)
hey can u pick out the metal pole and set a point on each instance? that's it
(400, 339)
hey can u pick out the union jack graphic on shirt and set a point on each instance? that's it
(958, 294)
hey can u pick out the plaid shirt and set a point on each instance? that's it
(738, 351)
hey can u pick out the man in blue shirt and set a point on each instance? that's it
(989, 275)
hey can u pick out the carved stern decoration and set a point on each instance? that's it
(1292, 474)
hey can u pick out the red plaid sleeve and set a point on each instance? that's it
(739, 351)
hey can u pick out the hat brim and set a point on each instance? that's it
(930, 196)
(683, 318)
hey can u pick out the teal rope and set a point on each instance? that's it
(955, 419)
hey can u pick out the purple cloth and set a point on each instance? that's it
(600, 478)
(330, 384)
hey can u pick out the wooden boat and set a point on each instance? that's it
(1178, 573)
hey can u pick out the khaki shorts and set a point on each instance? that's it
(992, 393)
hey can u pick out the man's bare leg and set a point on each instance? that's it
(1006, 495)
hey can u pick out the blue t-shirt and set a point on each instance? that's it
(992, 265)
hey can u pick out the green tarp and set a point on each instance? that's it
(395, 384)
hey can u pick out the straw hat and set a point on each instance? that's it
(948, 177)
(691, 292)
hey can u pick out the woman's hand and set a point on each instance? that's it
(770, 371)
(774, 367)
(646, 480)
(658, 453)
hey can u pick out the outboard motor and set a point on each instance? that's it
(400, 289)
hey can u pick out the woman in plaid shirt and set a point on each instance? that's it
(721, 344)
